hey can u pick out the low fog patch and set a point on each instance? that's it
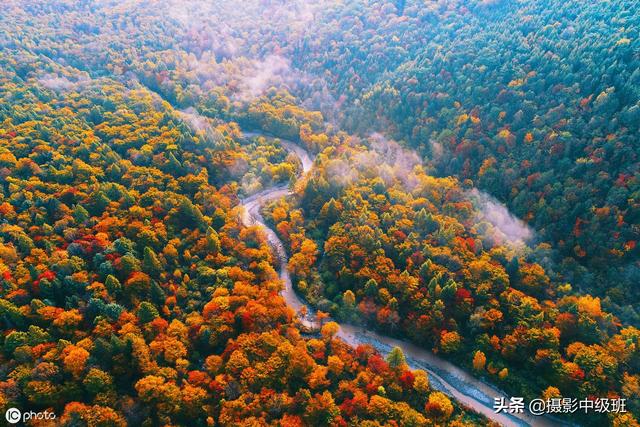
(62, 83)
(505, 228)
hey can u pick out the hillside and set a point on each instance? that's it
(222, 213)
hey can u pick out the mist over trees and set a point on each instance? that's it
(474, 191)
(537, 102)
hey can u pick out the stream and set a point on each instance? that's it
(444, 376)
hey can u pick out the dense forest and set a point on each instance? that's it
(421, 257)
(131, 293)
(475, 190)
(537, 102)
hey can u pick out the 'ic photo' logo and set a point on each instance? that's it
(13, 415)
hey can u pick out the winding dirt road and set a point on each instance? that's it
(443, 375)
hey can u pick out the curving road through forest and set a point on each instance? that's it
(444, 376)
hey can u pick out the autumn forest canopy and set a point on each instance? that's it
(459, 175)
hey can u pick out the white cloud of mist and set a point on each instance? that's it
(297, 14)
(384, 158)
(226, 26)
(394, 154)
(207, 27)
(505, 227)
(339, 172)
(239, 45)
(395, 163)
(274, 70)
(200, 125)
(318, 97)
(437, 150)
(489, 3)
(61, 83)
